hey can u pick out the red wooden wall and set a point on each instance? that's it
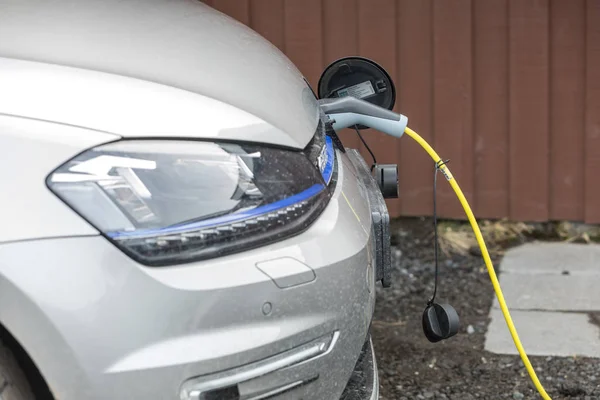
(509, 90)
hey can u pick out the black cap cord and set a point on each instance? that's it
(440, 321)
(438, 165)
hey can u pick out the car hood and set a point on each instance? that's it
(190, 69)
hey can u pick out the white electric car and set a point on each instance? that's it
(178, 219)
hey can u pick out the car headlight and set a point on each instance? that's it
(167, 202)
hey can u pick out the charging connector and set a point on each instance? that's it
(350, 111)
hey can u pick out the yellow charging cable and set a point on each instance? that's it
(486, 258)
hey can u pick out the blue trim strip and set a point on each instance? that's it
(328, 170)
(231, 218)
(226, 219)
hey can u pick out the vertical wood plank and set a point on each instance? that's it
(340, 33)
(452, 104)
(303, 37)
(528, 85)
(490, 107)
(238, 9)
(415, 86)
(340, 39)
(567, 109)
(377, 41)
(266, 18)
(592, 117)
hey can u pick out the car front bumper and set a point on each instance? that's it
(288, 320)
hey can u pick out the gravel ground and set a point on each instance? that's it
(412, 368)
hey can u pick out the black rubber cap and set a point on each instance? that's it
(386, 176)
(440, 321)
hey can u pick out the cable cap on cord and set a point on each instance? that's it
(440, 321)
(386, 176)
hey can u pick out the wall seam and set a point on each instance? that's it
(585, 112)
(284, 25)
(322, 24)
(509, 207)
(472, 109)
(432, 71)
(549, 132)
(249, 12)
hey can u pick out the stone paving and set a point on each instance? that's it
(553, 292)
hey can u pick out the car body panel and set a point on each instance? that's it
(130, 108)
(30, 150)
(99, 342)
(182, 44)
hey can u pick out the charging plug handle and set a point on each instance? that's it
(350, 111)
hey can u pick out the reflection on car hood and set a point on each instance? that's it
(184, 45)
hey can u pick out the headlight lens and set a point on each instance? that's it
(167, 202)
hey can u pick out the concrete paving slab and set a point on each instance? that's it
(545, 334)
(552, 258)
(551, 292)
